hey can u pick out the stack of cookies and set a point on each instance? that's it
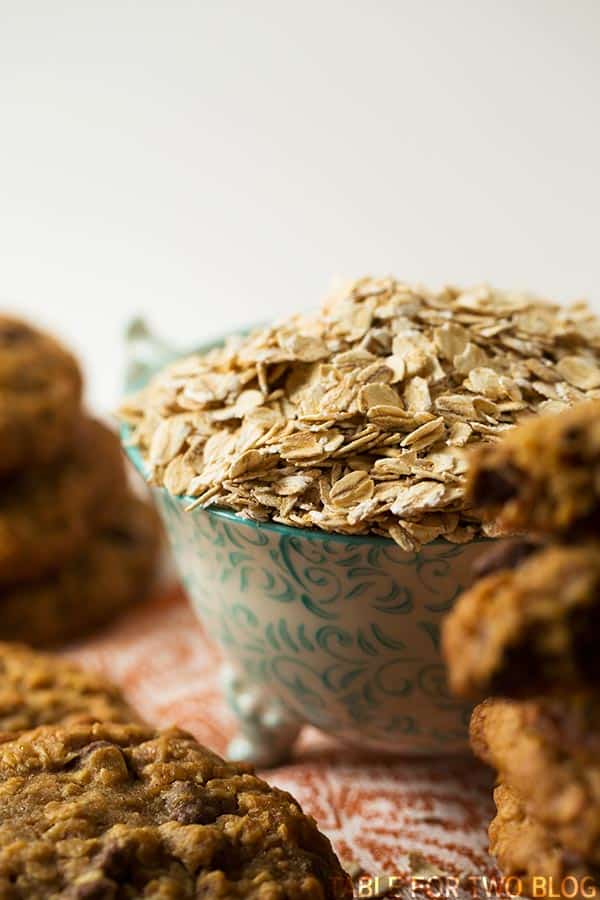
(76, 545)
(94, 804)
(526, 634)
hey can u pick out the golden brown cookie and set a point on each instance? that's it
(106, 810)
(40, 689)
(543, 477)
(529, 851)
(113, 571)
(527, 630)
(548, 751)
(47, 513)
(40, 396)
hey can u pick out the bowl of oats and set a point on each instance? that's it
(312, 477)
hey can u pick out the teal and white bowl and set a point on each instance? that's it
(339, 632)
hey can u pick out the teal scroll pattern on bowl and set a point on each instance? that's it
(343, 630)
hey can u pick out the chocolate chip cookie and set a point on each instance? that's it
(529, 851)
(40, 689)
(528, 630)
(114, 570)
(548, 751)
(543, 477)
(40, 395)
(47, 513)
(101, 811)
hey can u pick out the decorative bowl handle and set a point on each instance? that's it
(146, 353)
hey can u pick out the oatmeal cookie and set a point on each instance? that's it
(106, 810)
(548, 751)
(47, 513)
(113, 570)
(40, 395)
(529, 851)
(527, 630)
(543, 477)
(40, 689)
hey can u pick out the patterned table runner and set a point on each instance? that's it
(397, 824)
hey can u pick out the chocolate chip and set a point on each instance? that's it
(571, 860)
(494, 486)
(193, 805)
(13, 332)
(85, 752)
(98, 889)
(113, 860)
(183, 804)
(95, 745)
(503, 555)
(572, 446)
(123, 537)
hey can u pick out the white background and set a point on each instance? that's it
(214, 163)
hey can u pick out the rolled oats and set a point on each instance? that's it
(357, 419)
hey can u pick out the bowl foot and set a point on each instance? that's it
(267, 728)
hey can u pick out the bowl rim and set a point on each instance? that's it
(228, 515)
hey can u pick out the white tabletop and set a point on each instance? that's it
(214, 163)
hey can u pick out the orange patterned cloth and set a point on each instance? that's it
(377, 812)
